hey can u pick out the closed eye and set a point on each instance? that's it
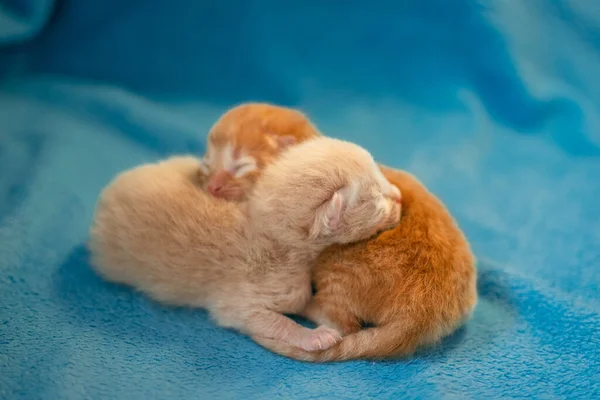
(243, 169)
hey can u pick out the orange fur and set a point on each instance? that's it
(415, 284)
(252, 133)
(247, 263)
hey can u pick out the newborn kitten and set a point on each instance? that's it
(248, 263)
(411, 248)
(415, 284)
(244, 140)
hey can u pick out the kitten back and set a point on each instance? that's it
(153, 225)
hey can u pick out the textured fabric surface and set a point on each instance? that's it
(493, 104)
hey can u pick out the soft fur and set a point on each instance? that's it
(427, 250)
(415, 284)
(156, 230)
(244, 140)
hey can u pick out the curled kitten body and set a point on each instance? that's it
(248, 263)
(415, 283)
(244, 140)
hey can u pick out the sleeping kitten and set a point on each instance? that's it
(420, 242)
(244, 140)
(415, 284)
(248, 263)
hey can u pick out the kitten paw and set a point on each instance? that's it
(321, 338)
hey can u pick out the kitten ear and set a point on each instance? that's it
(280, 141)
(329, 215)
(285, 141)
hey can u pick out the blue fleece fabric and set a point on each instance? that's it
(493, 104)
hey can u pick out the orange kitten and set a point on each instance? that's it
(244, 140)
(415, 284)
(248, 263)
(423, 242)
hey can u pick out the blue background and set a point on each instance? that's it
(493, 104)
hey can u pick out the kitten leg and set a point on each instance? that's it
(330, 313)
(276, 326)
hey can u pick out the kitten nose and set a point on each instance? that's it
(214, 187)
(217, 183)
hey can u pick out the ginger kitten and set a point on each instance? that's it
(248, 263)
(415, 284)
(244, 140)
(430, 248)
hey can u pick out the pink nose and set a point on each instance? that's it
(216, 183)
(215, 188)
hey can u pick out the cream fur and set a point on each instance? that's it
(248, 263)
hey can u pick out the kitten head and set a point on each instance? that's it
(326, 191)
(244, 140)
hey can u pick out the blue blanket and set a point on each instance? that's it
(494, 104)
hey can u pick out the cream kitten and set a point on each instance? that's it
(248, 263)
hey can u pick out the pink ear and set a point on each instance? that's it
(280, 141)
(333, 213)
(329, 215)
(286, 140)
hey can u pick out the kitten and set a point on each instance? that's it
(416, 249)
(244, 140)
(248, 263)
(415, 284)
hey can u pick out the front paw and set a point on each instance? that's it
(321, 338)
